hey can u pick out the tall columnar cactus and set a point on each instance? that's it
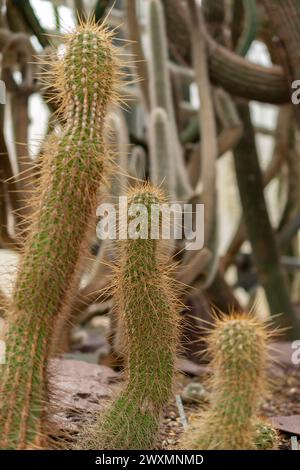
(238, 346)
(65, 203)
(162, 168)
(137, 166)
(117, 138)
(148, 313)
(161, 91)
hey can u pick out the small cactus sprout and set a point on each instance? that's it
(148, 313)
(65, 203)
(238, 348)
(266, 436)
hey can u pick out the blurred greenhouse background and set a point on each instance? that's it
(57, 17)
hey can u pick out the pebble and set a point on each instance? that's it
(171, 442)
(173, 423)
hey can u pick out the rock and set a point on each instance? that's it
(79, 388)
(100, 323)
(282, 352)
(194, 393)
(88, 341)
(289, 424)
(171, 442)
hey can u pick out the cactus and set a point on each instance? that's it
(148, 313)
(162, 169)
(160, 83)
(137, 165)
(161, 91)
(65, 202)
(238, 347)
(266, 436)
(118, 141)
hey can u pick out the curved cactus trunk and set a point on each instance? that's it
(149, 317)
(65, 202)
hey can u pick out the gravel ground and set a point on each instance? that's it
(82, 389)
(284, 400)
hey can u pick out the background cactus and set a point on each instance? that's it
(117, 138)
(138, 165)
(238, 347)
(161, 91)
(65, 203)
(148, 315)
(162, 169)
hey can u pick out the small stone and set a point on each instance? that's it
(171, 442)
(172, 424)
